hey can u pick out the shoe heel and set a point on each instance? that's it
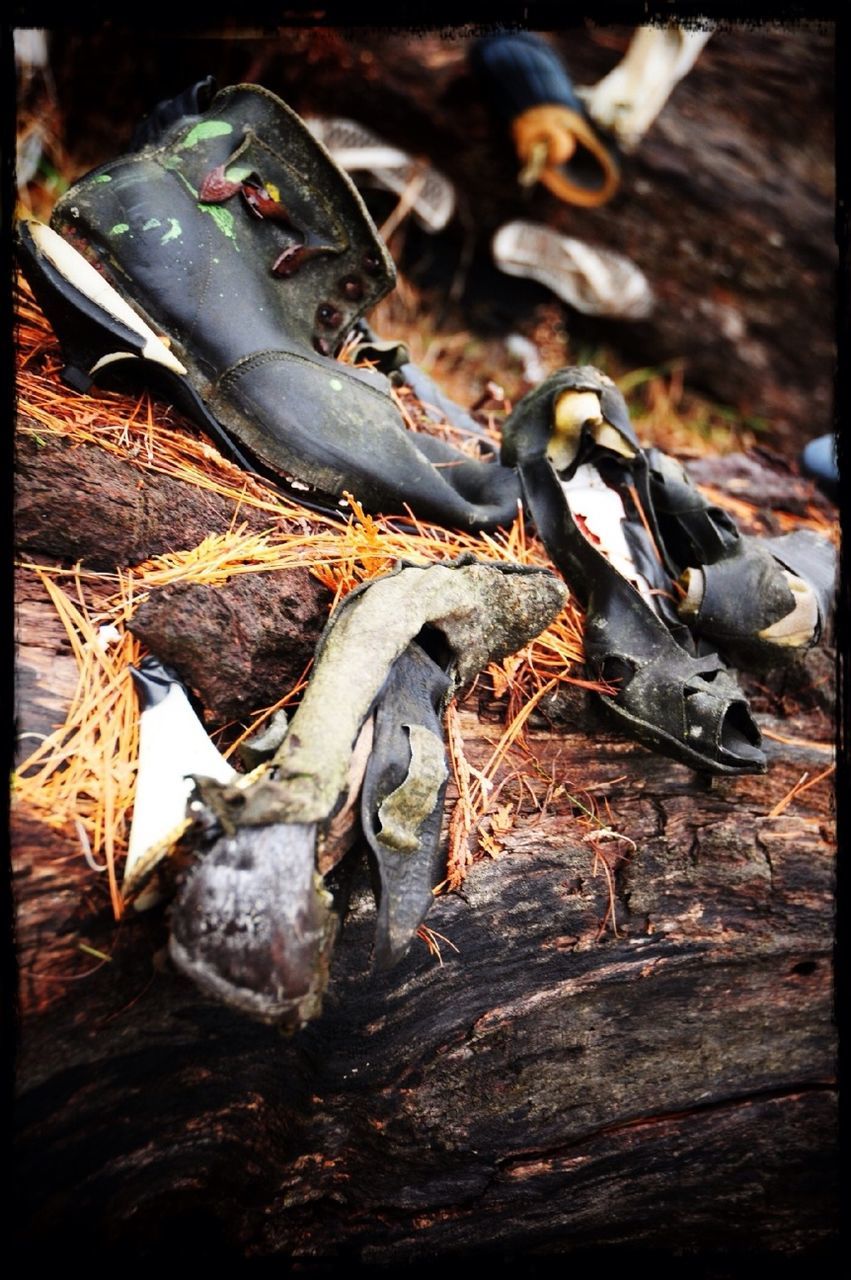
(94, 324)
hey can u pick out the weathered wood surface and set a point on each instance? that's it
(558, 1084)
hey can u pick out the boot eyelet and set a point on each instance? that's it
(371, 264)
(328, 316)
(352, 287)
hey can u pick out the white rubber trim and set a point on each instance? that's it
(172, 744)
(603, 512)
(82, 275)
(798, 628)
(111, 359)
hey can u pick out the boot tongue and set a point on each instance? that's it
(253, 158)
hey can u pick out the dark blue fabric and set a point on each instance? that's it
(520, 71)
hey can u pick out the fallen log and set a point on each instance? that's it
(628, 1040)
(668, 1081)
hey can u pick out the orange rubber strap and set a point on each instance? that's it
(564, 131)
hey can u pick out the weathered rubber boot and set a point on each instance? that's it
(585, 483)
(228, 260)
(762, 601)
(252, 923)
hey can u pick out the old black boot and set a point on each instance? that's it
(230, 258)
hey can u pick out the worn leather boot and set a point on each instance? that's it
(229, 258)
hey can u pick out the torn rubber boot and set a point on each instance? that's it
(555, 139)
(226, 262)
(761, 601)
(585, 484)
(252, 923)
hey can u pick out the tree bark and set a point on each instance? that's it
(651, 1067)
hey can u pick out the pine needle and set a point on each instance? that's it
(803, 784)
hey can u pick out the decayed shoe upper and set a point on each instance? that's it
(251, 923)
(761, 600)
(672, 697)
(189, 261)
(238, 239)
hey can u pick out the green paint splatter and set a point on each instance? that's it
(335, 384)
(223, 219)
(103, 177)
(120, 228)
(206, 129)
(237, 172)
(151, 223)
(175, 230)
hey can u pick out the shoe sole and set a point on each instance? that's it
(593, 281)
(357, 149)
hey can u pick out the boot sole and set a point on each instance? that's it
(358, 150)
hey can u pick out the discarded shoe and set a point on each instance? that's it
(598, 282)
(761, 601)
(554, 137)
(630, 97)
(358, 150)
(585, 484)
(767, 602)
(227, 261)
(252, 922)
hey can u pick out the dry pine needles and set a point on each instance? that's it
(81, 777)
